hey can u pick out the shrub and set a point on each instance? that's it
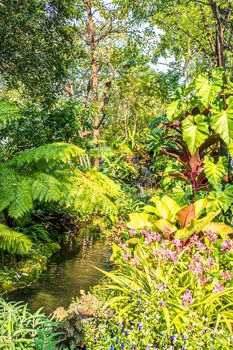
(164, 294)
(19, 329)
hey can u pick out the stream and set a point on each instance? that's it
(67, 273)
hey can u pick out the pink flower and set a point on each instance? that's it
(162, 287)
(152, 237)
(227, 245)
(187, 298)
(144, 232)
(177, 243)
(164, 243)
(123, 246)
(226, 275)
(218, 288)
(126, 256)
(167, 232)
(211, 236)
(135, 261)
(201, 247)
(202, 279)
(194, 238)
(132, 233)
(210, 262)
(197, 257)
(196, 267)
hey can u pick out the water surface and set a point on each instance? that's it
(67, 273)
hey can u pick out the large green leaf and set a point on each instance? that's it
(208, 89)
(139, 220)
(230, 148)
(215, 172)
(172, 108)
(195, 131)
(220, 200)
(222, 122)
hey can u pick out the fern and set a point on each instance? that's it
(15, 193)
(93, 192)
(54, 152)
(46, 188)
(59, 181)
(14, 242)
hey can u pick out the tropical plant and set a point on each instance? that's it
(52, 173)
(182, 286)
(19, 329)
(182, 222)
(164, 293)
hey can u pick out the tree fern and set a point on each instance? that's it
(15, 193)
(14, 242)
(93, 192)
(54, 152)
(59, 179)
(46, 188)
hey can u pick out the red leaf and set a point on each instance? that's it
(185, 215)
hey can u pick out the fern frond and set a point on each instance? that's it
(46, 188)
(55, 152)
(93, 192)
(15, 193)
(14, 242)
(107, 185)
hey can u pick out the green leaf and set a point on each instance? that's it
(14, 242)
(58, 152)
(139, 220)
(222, 122)
(220, 200)
(208, 89)
(217, 201)
(46, 188)
(15, 193)
(195, 131)
(172, 108)
(230, 148)
(215, 173)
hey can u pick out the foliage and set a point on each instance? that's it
(37, 54)
(50, 174)
(23, 330)
(185, 288)
(14, 242)
(182, 222)
(21, 271)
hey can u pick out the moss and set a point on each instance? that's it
(18, 274)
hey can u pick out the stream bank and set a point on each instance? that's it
(69, 271)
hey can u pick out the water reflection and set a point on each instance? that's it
(66, 275)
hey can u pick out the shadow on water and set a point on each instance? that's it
(67, 273)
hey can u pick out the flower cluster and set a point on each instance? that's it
(187, 298)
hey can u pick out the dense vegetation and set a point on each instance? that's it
(120, 110)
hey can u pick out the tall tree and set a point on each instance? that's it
(36, 44)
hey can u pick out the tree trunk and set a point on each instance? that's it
(219, 43)
(94, 74)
